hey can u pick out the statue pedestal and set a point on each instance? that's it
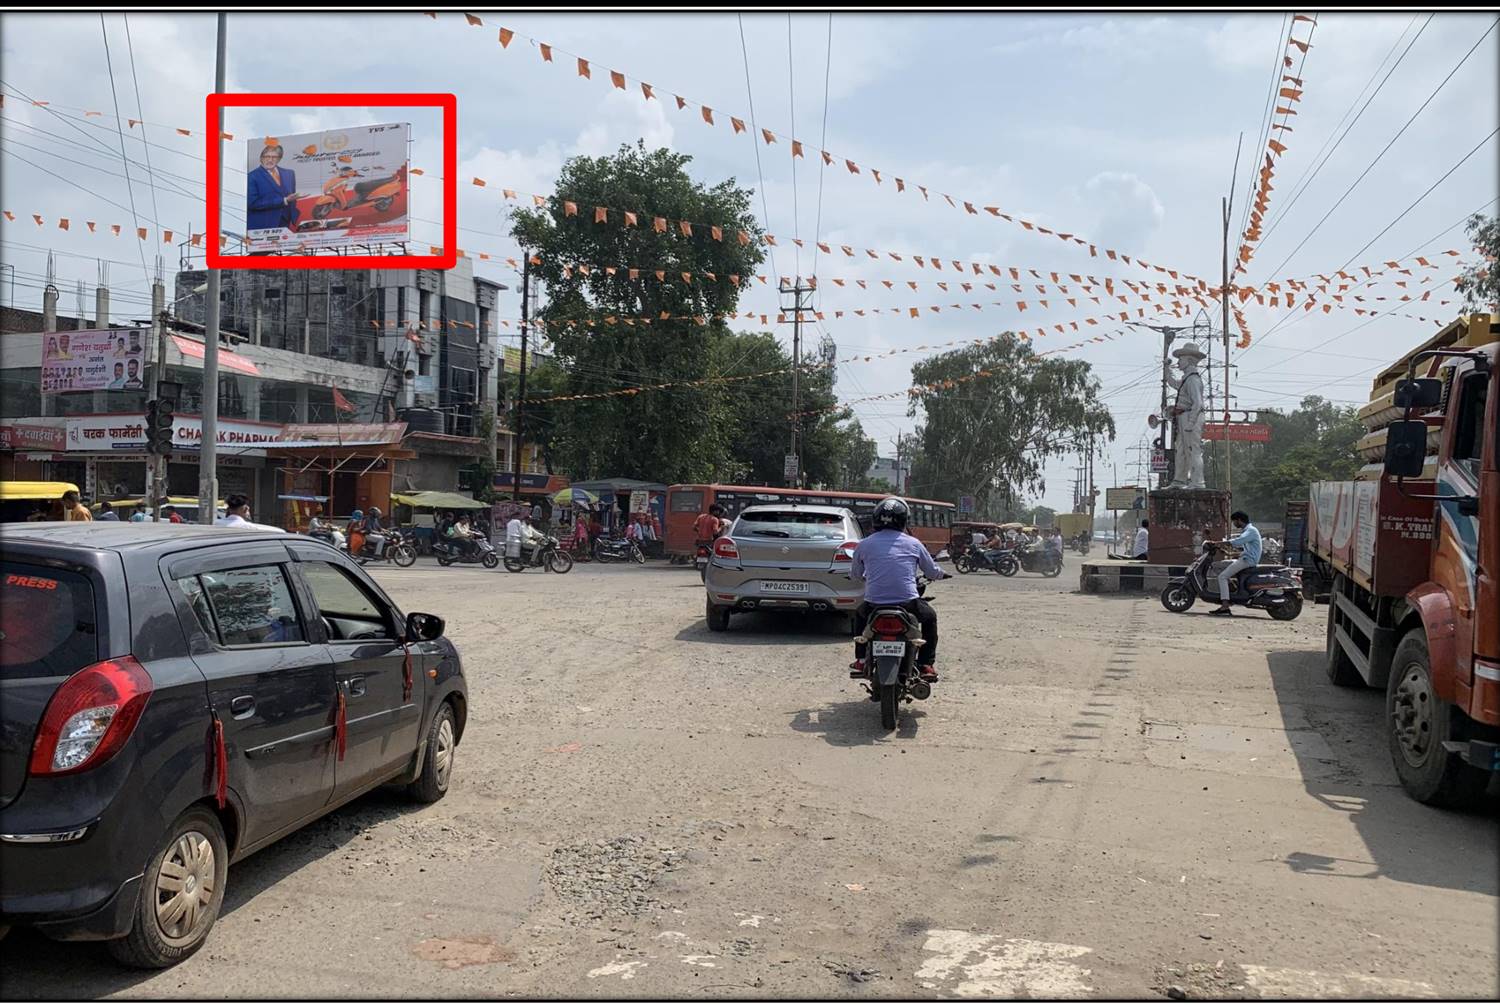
(1182, 519)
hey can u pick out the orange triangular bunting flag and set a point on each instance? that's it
(476, 22)
(617, 78)
(505, 36)
(583, 68)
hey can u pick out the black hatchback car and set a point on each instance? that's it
(174, 698)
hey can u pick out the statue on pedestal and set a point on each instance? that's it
(1188, 416)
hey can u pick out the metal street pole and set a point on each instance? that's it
(208, 459)
(515, 493)
(1224, 203)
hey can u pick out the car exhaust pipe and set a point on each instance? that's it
(920, 690)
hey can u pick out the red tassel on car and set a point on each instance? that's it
(340, 725)
(221, 764)
(406, 678)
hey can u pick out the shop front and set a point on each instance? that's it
(339, 468)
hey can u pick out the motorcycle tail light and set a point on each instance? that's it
(889, 624)
(725, 548)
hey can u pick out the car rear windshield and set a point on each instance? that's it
(791, 524)
(47, 622)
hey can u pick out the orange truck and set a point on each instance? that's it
(1409, 554)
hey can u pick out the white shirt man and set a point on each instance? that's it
(1142, 542)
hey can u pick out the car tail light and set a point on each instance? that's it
(845, 552)
(889, 624)
(725, 548)
(90, 717)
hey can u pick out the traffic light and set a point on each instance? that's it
(159, 417)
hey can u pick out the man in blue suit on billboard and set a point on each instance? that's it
(271, 197)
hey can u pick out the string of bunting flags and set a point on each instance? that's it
(795, 147)
(1289, 92)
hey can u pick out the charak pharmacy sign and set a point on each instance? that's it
(127, 433)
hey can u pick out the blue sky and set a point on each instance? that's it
(1118, 127)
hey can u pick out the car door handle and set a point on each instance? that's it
(242, 707)
(355, 686)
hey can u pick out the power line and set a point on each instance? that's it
(759, 173)
(109, 62)
(141, 108)
(1306, 180)
(1393, 139)
(823, 145)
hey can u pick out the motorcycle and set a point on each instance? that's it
(450, 552)
(330, 535)
(977, 559)
(1035, 559)
(549, 555)
(339, 195)
(701, 557)
(397, 549)
(621, 549)
(1277, 590)
(894, 638)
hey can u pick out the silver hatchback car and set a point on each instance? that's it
(784, 557)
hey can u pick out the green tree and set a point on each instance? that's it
(669, 435)
(1313, 442)
(991, 436)
(1480, 282)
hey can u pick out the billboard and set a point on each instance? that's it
(1239, 432)
(97, 360)
(330, 189)
(1125, 497)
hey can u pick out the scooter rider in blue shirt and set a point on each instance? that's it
(887, 562)
(1248, 541)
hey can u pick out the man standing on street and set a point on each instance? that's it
(1248, 541)
(73, 509)
(1142, 541)
(107, 513)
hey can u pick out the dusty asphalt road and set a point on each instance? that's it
(1101, 799)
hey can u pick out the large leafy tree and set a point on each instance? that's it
(669, 435)
(991, 435)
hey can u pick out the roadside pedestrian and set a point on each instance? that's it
(73, 509)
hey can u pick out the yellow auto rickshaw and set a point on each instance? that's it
(23, 501)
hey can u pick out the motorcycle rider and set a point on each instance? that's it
(461, 534)
(708, 526)
(374, 532)
(887, 563)
(1249, 543)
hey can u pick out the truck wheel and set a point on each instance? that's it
(1340, 668)
(1418, 722)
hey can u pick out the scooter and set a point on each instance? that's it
(1277, 590)
(339, 194)
(894, 638)
(618, 550)
(977, 559)
(450, 552)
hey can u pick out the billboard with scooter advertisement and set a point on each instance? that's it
(332, 189)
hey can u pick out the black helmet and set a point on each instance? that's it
(891, 514)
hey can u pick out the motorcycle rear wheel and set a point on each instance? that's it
(1053, 571)
(1288, 609)
(514, 564)
(403, 555)
(890, 702)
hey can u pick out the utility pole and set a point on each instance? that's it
(1224, 203)
(515, 488)
(797, 290)
(208, 456)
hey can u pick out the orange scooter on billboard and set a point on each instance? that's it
(343, 192)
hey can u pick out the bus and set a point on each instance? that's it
(929, 523)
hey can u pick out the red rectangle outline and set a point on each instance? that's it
(449, 105)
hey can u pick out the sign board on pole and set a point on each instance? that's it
(1239, 432)
(1125, 497)
(638, 501)
(1159, 461)
(789, 470)
(966, 504)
